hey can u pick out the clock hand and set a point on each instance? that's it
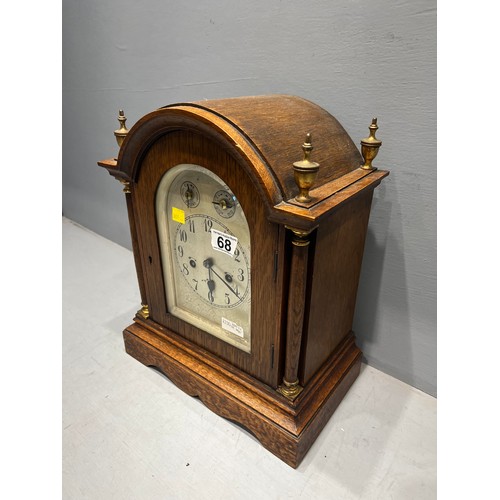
(225, 282)
(223, 204)
(208, 263)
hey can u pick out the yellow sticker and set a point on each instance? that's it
(178, 215)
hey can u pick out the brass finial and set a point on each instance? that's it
(123, 130)
(369, 147)
(305, 171)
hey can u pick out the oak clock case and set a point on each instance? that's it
(248, 239)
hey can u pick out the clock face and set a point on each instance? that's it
(205, 249)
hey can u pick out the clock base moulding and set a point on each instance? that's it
(286, 429)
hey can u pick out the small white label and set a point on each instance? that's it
(232, 327)
(224, 242)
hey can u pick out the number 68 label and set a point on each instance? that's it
(224, 242)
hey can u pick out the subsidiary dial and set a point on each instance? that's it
(224, 203)
(190, 194)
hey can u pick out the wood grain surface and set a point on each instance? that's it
(192, 148)
(286, 430)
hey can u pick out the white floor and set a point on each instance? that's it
(129, 433)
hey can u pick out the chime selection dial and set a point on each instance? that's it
(224, 203)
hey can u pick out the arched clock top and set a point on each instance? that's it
(277, 124)
(215, 128)
(266, 135)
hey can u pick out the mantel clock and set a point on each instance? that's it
(248, 249)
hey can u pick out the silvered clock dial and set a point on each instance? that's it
(205, 246)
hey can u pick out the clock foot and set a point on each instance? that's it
(144, 311)
(287, 429)
(290, 389)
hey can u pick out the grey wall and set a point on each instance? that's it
(357, 59)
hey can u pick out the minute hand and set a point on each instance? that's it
(225, 282)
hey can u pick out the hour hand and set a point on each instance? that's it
(208, 263)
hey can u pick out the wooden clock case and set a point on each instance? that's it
(306, 261)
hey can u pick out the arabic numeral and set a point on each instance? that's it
(236, 255)
(208, 225)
